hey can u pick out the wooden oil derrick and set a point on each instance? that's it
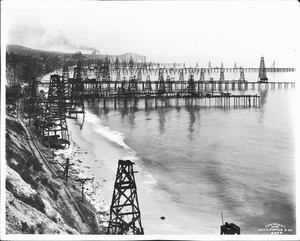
(165, 70)
(262, 75)
(84, 75)
(65, 74)
(144, 67)
(202, 78)
(273, 66)
(148, 87)
(181, 78)
(191, 88)
(209, 65)
(131, 65)
(242, 75)
(76, 95)
(124, 86)
(117, 63)
(161, 82)
(104, 69)
(169, 83)
(66, 83)
(118, 74)
(31, 100)
(55, 130)
(124, 67)
(132, 86)
(97, 85)
(125, 215)
(222, 77)
(41, 104)
(139, 74)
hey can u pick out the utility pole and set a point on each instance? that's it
(83, 181)
(66, 169)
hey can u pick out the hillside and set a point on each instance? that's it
(25, 50)
(19, 49)
(38, 202)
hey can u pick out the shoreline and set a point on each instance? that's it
(96, 154)
(92, 142)
(85, 164)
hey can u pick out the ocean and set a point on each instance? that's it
(194, 163)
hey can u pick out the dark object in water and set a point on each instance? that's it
(162, 218)
(230, 228)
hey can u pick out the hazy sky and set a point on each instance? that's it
(168, 31)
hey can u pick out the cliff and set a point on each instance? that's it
(38, 201)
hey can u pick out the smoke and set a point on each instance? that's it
(37, 37)
(96, 52)
(60, 40)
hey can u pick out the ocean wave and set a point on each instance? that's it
(118, 138)
(114, 136)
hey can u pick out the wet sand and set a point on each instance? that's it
(95, 151)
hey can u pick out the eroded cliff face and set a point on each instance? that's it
(35, 201)
(32, 197)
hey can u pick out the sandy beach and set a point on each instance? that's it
(94, 153)
(177, 178)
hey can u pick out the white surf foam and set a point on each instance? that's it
(118, 138)
(113, 136)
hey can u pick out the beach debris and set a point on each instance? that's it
(162, 218)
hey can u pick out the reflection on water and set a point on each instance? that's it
(263, 96)
(192, 109)
(263, 100)
(236, 160)
(161, 119)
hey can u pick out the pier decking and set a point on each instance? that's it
(219, 100)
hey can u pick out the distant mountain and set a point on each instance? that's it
(136, 57)
(25, 50)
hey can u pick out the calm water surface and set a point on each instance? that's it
(205, 161)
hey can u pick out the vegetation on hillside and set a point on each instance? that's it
(36, 201)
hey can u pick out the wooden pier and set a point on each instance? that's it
(154, 100)
(113, 86)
